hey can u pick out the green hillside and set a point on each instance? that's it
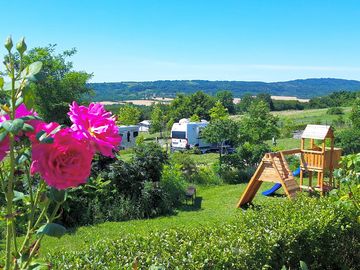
(140, 90)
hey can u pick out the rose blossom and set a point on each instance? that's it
(94, 123)
(4, 147)
(20, 112)
(41, 126)
(64, 163)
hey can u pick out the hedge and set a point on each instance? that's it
(323, 234)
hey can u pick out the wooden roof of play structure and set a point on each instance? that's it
(319, 132)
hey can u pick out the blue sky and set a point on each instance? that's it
(251, 40)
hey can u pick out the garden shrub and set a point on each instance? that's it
(323, 234)
(206, 175)
(348, 140)
(243, 162)
(335, 111)
(120, 190)
(186, 164)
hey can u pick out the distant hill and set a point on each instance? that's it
(307, 88)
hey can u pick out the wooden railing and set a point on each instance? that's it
(313, 159)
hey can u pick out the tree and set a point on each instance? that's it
(267, 99)
(129, 115)
(218, 111)
(221, 131)
(180, 107)
(159, 119)
(227, 100)
(245, 103)
(200, 104)
(258, 124)
(355, 114)
(58, 83)
(194, 118)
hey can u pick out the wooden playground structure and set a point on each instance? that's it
(313, 159)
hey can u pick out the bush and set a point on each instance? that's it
(186, 164)
(243, 162)
(319, 232)
(120, 190)
(335, 111)
(348, 140)
(207, 176)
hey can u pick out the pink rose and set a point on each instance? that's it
(4, 147)
(64, 163)
(97, 125)
(22, 111)
(41, 126)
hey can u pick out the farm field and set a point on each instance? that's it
(315, 116)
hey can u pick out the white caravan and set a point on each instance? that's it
(128, 134)
(186, 135)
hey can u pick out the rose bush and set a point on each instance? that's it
(42, 159)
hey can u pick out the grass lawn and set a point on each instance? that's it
(283, 144)
(218, 205)
(315, 116)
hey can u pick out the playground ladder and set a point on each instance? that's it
(284, 171)
(273, 168)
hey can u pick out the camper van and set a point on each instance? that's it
(128, 134)
(186, 135)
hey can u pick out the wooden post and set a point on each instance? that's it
(331, 165)
(312, 143)
(302, 165)
(310, 179)
(323, 167)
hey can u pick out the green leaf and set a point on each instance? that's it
(3, 134)
(8, 86)
(38, 266)
(29, 97)
(13, 126)
(1, 82)
(52, 229)
(23, 157)
(31, 70)
(47, 140)
(27, 127)
(57, 195)
(40, 134)
(30, 117)
(18, 102)
(303, 266)
(18, 196)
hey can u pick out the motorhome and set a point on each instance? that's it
(144, 126)
(186, 135)
(128, 134)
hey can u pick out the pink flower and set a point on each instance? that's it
(4, 147)
(41, 126)
(94, 123)
(22, 111)
(64, 163)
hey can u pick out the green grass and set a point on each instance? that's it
(205, 159)
(283, 144)
(314, 116)
(218, 205)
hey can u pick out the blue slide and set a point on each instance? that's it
(275, 187)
